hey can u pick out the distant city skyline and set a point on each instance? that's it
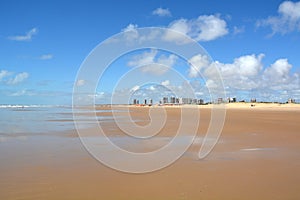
(186, 100)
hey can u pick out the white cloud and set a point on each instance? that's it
(145, 58)
(279, 69)
(46, 57)
(287, 20)
(204, 28)
(168, 61)
(247, 74)
(153, 64)
(162, 12)
(130, 32)
(165, 83)
(9, 78)
(249, 65)
(80, 82)
(3, 74)
(209, 28)
(244, 78)
(135, 88)
(19, 78)
(211, 84)
(238, 30)
(177, 27)
(197, 63)
(151, 35)
(152, 88)
(100, 95)
(130, 27)
(243, 72)
(26, 37)
(21, 93)
(155, 69)
(290, 9)
(278, 73)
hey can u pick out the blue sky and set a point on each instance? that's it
(255, 45)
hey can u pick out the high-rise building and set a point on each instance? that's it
(220, 100)
(231, 99)
(165, 100)
(194, 101)
(200, 102)
(172, 100)
(185, 100)
(134, 101)
(291, 101)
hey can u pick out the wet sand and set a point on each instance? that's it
(256, 157)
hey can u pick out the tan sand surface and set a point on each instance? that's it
(256, 157)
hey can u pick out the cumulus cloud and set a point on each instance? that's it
(287, 20)
(247, 73)
(204, 28)
(278, 75)
(168, 61)
(242, 73)
(248, 65)
(151, 63)
(197, 63)
(27, 37)
(245, 77)
(162, 12)
(130, 32)
(279, 70)
(19, 78)
(179, 26)
(46, 57)
(143, 59)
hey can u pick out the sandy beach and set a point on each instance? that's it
(257, 157)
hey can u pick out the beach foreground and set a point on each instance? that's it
(256, 157)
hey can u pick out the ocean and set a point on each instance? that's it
(26, 120)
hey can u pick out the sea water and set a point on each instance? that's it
(17, 120)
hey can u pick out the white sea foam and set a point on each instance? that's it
(30, 106)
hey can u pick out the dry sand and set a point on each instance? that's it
(257, 157)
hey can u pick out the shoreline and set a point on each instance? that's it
(227, 106)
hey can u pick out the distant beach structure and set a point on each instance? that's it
(291, 100)
(231, 99)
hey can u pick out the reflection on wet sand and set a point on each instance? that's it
(257, 157)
